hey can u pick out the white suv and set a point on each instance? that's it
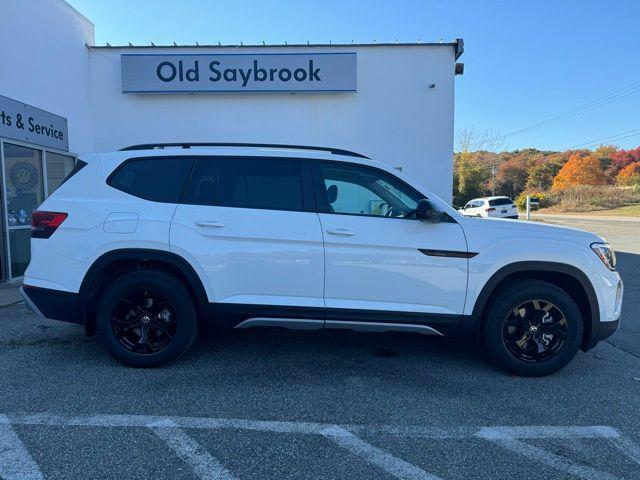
(146, 244)
(495, 207)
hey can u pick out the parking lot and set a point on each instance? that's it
(280, 404)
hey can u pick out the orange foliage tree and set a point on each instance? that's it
(629, 175)
(579, 170)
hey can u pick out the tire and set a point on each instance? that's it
(148, 300)
(514, 339)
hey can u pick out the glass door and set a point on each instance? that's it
(23, 192)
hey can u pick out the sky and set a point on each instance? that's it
(525, 62)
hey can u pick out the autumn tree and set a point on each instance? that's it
(621, 159)
(511, 177)
(629, 175)
(579, 170)
(604, 153)
(544, 170)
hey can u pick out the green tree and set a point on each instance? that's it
(472, 177)
(544, 170)
(604, 155)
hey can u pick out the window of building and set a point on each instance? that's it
(58, 168)
(23, 192)
(29, 174)
(360, 190)
(261, 183)
(159, 179)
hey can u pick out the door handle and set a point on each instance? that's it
(209, 224)
(340, 231)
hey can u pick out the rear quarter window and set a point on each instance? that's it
(500, 201)
(159, 179)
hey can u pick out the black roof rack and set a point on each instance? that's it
(152, 146)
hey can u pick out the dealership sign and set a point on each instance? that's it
(20, 121)
(286, 72)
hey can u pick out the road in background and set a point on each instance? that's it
(623, 233)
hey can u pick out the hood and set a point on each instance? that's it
(524, 230)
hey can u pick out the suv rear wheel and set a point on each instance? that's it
(532, 328)
(146, 319)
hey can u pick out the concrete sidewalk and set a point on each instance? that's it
(9, 294)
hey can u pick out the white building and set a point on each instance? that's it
(391, 102)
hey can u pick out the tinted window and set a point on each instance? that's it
(160, 179)
(262, 183)
(500, 201)
(361, 190)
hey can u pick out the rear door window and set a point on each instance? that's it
(260, 183)
(159, 179)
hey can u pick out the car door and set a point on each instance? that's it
(467, 209)
(250, 226)
(381, 264)
(476, 208)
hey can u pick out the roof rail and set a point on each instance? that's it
(152, 146)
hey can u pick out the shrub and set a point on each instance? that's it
(544, 200)
(586, 198)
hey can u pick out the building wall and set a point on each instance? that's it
(44, 62)
(394, 116)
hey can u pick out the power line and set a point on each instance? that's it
(609, 98)
(617, 136)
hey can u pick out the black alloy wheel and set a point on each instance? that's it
(144, 321)
(535, 331)
(146, 318)
(532, 328)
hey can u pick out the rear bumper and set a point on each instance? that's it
(53, 304)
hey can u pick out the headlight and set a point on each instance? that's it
(606, 254)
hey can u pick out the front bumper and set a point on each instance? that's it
(53, 304)
(606, 329)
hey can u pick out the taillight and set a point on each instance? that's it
(43, 224)
(491, 209)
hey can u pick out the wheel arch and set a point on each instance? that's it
(116, 263)
(571, 279)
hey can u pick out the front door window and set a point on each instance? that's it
(360, 190)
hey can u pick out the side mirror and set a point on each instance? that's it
(426, 213)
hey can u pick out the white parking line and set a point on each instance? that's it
(204, 465)
(312, 428)
(551, 459)
(384, 460)
(628, 447)
(15, 461)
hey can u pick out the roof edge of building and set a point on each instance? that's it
(458, 46)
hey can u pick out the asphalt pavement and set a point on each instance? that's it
(278, 404)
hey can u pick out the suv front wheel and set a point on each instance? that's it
(532, 328)
(146, 319)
